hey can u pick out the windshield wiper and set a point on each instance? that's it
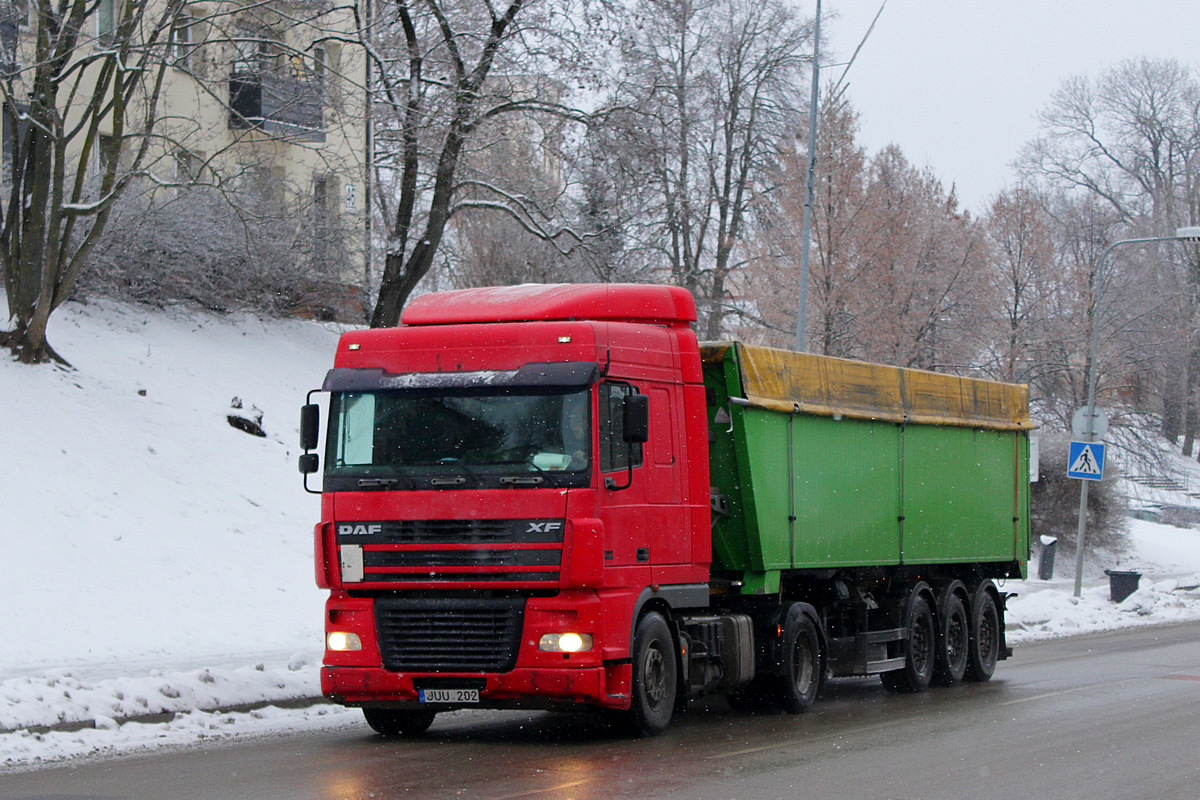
(522, 480)
(456, 480)
(385, 481)
(550, 476)
(372, 483)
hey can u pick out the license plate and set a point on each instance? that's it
(449, 695)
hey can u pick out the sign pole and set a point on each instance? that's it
(1083, 496)
(1190, 234)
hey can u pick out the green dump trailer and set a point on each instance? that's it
(886, 502)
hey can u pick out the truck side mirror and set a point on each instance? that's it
(637, 418)
(310, 431)
(310, 426)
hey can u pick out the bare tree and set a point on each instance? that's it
(1131, 139)
(448, 71)
(842, 210)
(83, 109)
(709, 89)
(1021, 268)
(922, 266)
(113, 105)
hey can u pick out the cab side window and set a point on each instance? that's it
(615, 453)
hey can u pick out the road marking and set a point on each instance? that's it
(806, 740)
(1074, 690)
(533, 792)
(1180, 677)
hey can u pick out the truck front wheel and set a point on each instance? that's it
(392, 722)
(655, 676)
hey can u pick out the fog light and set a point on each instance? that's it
(565, 642)
(341, 641)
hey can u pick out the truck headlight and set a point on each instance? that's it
(565, 642)
(341, 641)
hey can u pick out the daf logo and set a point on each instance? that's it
(350, 529)
(544, 527)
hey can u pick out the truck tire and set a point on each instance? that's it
(983, 651)
(394, 722)
(920, 651)
(953, 637)
(789, 677)
(801, 663)
(655, 676)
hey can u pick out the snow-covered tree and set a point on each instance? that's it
(82, 101)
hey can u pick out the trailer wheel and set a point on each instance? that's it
(953, 641)
(983, 651)
(654, 676)
(919, 651)
(801, 677)
(393, 722)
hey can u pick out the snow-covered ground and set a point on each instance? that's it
(158, 562)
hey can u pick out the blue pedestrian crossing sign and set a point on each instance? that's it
(1086, 461)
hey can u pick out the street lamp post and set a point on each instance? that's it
(1191, 234)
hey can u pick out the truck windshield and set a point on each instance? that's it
(480, 436)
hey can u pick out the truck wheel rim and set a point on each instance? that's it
(802, 665)
(956, 641)
(987, 638)
(921, 645)
(654, 674)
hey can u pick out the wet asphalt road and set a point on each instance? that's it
(1105, 717)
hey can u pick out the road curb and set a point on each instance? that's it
(167, 716)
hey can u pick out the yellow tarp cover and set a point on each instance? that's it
(782, 380)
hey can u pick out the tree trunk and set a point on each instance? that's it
(30, 346)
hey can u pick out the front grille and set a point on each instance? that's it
(462, 558)
(449, 635)
(455, 531)
(504, 551)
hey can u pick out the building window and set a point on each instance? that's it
(105, 149)
(15, 128)
(181, 40)
(188, 165)
(15, 12)
(107, 18)
(319, 57)
(258, 52)
(320, 197)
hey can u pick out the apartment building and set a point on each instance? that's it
(262, 104)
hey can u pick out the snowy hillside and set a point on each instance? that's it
(140, 527)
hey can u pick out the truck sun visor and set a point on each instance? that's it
(561, 374)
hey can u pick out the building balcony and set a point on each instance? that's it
(280, 105)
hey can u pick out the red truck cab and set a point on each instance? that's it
(511, 478)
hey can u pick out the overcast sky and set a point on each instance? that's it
(957, 83)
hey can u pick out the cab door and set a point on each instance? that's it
(668, 518)
(624, 489)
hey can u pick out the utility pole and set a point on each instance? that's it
(809, 188)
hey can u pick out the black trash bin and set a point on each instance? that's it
(1046, 560)
(1121, 583)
